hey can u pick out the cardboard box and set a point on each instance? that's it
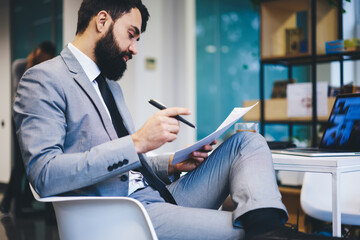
(334, 46)
(338, 46)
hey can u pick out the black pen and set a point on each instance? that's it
(161, 107)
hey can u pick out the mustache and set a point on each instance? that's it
(127, 54)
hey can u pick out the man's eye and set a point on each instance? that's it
(131, 36)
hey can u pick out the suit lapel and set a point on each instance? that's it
(83, 81)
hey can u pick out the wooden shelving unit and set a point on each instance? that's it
(279, 15)
(275, 112)
(324, 23)
(305, 59)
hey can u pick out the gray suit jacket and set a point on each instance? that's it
(68, 142)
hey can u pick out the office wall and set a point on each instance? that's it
(70, 9)
(170, 41)
(5, 98)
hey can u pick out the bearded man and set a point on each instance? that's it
(77, 138)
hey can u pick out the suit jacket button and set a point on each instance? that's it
(126, 161)
(120, 163)
(115, 166)
(110, 168)
(123, 178)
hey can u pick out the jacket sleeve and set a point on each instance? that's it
(40, 114)
(160, 164)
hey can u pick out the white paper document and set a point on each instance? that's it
(234, 116)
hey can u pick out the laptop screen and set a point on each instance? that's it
(343, 129)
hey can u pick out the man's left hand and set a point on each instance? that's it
(196, 159)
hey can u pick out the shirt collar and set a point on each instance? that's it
(90, 68)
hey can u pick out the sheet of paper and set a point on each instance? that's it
(299, 99)
(233, 117)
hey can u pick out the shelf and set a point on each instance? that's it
(279, 15)
(302, 59)
(276, 112)
(294, 33)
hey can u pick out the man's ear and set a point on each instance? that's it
(102, 21)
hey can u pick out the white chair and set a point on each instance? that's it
(105, 218)
(316, 200)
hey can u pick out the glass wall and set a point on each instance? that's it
(228, 69)
(227, 35)
(33, 22)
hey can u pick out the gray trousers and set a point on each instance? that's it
(242, 167)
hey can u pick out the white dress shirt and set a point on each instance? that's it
(136, 179)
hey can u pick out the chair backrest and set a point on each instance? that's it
(94, 218)
(316, 197)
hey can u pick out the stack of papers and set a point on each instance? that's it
(233, 117)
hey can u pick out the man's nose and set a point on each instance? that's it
(133, 48)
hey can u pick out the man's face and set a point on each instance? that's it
(118, 45)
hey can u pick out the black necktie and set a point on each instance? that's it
(121, 131)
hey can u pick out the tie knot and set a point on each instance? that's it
(100, 79)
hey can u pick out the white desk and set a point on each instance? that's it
(334, 165)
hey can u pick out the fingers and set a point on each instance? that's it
(158, 129)
(173, 111)
(167, 132)
(169, 125)
(168, 120)
(207, 148)
(199, 155)
(172, 128)
(197, 161)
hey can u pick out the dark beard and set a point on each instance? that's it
(109, 57)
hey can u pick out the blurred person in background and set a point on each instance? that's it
(18, 188)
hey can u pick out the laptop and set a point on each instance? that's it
(342, 133)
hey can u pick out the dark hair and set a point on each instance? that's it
(48, 48)
(116, 8)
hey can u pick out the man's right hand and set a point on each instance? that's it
(159, 129)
